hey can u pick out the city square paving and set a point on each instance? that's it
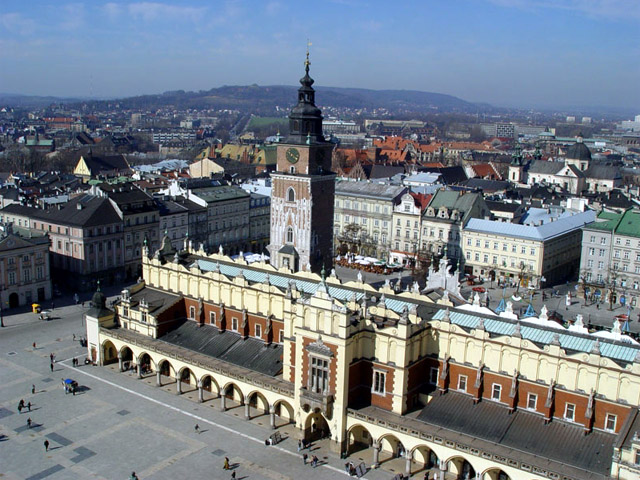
(117, 424)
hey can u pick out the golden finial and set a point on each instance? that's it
(307, 62)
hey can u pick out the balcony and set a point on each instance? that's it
(323, 401)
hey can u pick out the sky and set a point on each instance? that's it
(503, 52)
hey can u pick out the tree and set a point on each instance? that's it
(612, 283)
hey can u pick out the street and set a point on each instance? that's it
(117, 424)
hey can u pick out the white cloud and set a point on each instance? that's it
(152, 11)
(16, 23)
(601, 9)
(273, 8)
(112, 10)
(72, 16)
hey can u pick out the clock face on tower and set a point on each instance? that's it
(292, 155)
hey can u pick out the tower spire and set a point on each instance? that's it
(307, 62)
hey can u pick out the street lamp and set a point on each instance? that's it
(1, 309)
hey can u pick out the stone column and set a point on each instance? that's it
(178, 386)
(120, 362)
(223, 402)
(407, 465)
(376, 454)
(139, 368)
(200, 392)
(247, 409)
(272, 416)
(158, 378)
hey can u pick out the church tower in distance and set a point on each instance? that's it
(303, 189)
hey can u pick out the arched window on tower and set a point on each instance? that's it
(291, 195)
(289, 235)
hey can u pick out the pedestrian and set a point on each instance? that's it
(19, 408)
(299, 445)
(51, 366)
(34, 345)
(74, 337)
(73, 390)
(226, 463)
(21, 403)
(46, 445)
(29, 422)
(29, 406)
(314, 461)
(33, 389)
(304, 458)
(233, 475)
(133, 476)
(197, 428)
(52, 357)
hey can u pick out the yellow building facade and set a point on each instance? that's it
(423, 379)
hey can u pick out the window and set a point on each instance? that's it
(289, 235)
(234, 324)
(281, 336)
(477, 243)
(26, 275)
(462, 383)
(212, 318)
(469, 242)
(610, 422)
(593, 239)
(378, 382)
(12, 278)
(523, 249)
(319, 378)
(600, 265)
(496, 391)
(617, 241)
(433, 376)
(590, 263)
(603, 241)
(192, 313)
(532, 400)
(601, 253)
(291, 195)
(570, 412)
(258, 332)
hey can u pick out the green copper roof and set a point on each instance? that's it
(629, 224)
(605, 221)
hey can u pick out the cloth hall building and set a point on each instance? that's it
(424, 378)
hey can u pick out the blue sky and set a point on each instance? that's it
(505, 52)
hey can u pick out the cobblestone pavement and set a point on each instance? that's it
(117, 424)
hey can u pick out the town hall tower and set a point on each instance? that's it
(303, 189)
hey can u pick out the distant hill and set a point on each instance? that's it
(32, 101)
(263, 100)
